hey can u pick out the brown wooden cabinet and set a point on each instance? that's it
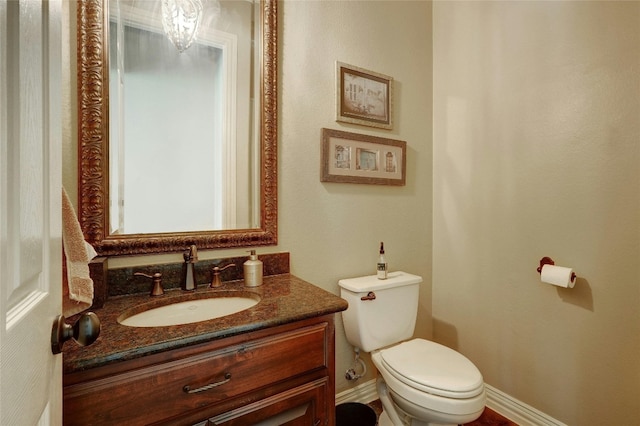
(283, 373)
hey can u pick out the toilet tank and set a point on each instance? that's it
(384, 317)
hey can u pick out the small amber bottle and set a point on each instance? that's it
(382, 264)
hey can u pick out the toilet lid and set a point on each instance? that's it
(433, 368)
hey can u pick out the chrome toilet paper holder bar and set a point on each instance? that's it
(549, 261)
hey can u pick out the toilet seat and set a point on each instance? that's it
(433, 368)
(424, 394)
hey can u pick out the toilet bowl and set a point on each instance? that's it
(430, 383)
(420, 382)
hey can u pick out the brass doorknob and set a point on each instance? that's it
(85, 331)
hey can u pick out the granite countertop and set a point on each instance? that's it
(284, 299)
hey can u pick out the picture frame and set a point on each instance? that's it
(356, 158)
(363, 97)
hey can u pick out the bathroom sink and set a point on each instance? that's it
(190, 311)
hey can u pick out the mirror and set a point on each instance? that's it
(101, 222)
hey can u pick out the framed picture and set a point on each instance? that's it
(355, 158)
(363, 97)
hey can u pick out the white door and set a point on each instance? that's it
(30, 211)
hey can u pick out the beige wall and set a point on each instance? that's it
(537, 153)
(333, 230)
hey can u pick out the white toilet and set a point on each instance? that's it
(420, 382)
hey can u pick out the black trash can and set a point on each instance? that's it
(355, 414)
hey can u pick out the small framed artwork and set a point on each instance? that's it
(363, 97)
(355, 158)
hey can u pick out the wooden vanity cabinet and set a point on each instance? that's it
(284, 374)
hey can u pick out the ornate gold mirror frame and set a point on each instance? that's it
(93, 138)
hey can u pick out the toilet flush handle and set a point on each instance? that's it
(370, 296)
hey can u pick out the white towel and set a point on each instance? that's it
(77, 288)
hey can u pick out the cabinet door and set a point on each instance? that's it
(305, 405)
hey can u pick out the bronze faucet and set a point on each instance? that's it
(188, 282)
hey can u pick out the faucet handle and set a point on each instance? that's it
(157, 289)
(215, 281)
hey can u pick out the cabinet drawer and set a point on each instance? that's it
(162, 391)
(303, 405)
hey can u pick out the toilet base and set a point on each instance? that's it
(406, 413)
(438, 419)
(384, 420)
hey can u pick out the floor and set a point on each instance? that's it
(488, 417)
(491, 418)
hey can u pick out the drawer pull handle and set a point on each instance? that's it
(187, 388)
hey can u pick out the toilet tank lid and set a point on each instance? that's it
(372, 283)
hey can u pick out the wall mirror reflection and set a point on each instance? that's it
(177, 124)
(182, 118)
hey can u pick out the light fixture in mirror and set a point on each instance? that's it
(96, 164)
(180, 20)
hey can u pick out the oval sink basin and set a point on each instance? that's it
(189, 311)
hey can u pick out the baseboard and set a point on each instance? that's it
(503, 404)
(517, 411)
(363, 393)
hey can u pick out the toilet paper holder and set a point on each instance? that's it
(548, 261)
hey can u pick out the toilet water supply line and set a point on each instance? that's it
(351, 373)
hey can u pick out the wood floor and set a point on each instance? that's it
(488, 417)
(491, 418)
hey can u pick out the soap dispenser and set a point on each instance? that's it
(253, 270)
